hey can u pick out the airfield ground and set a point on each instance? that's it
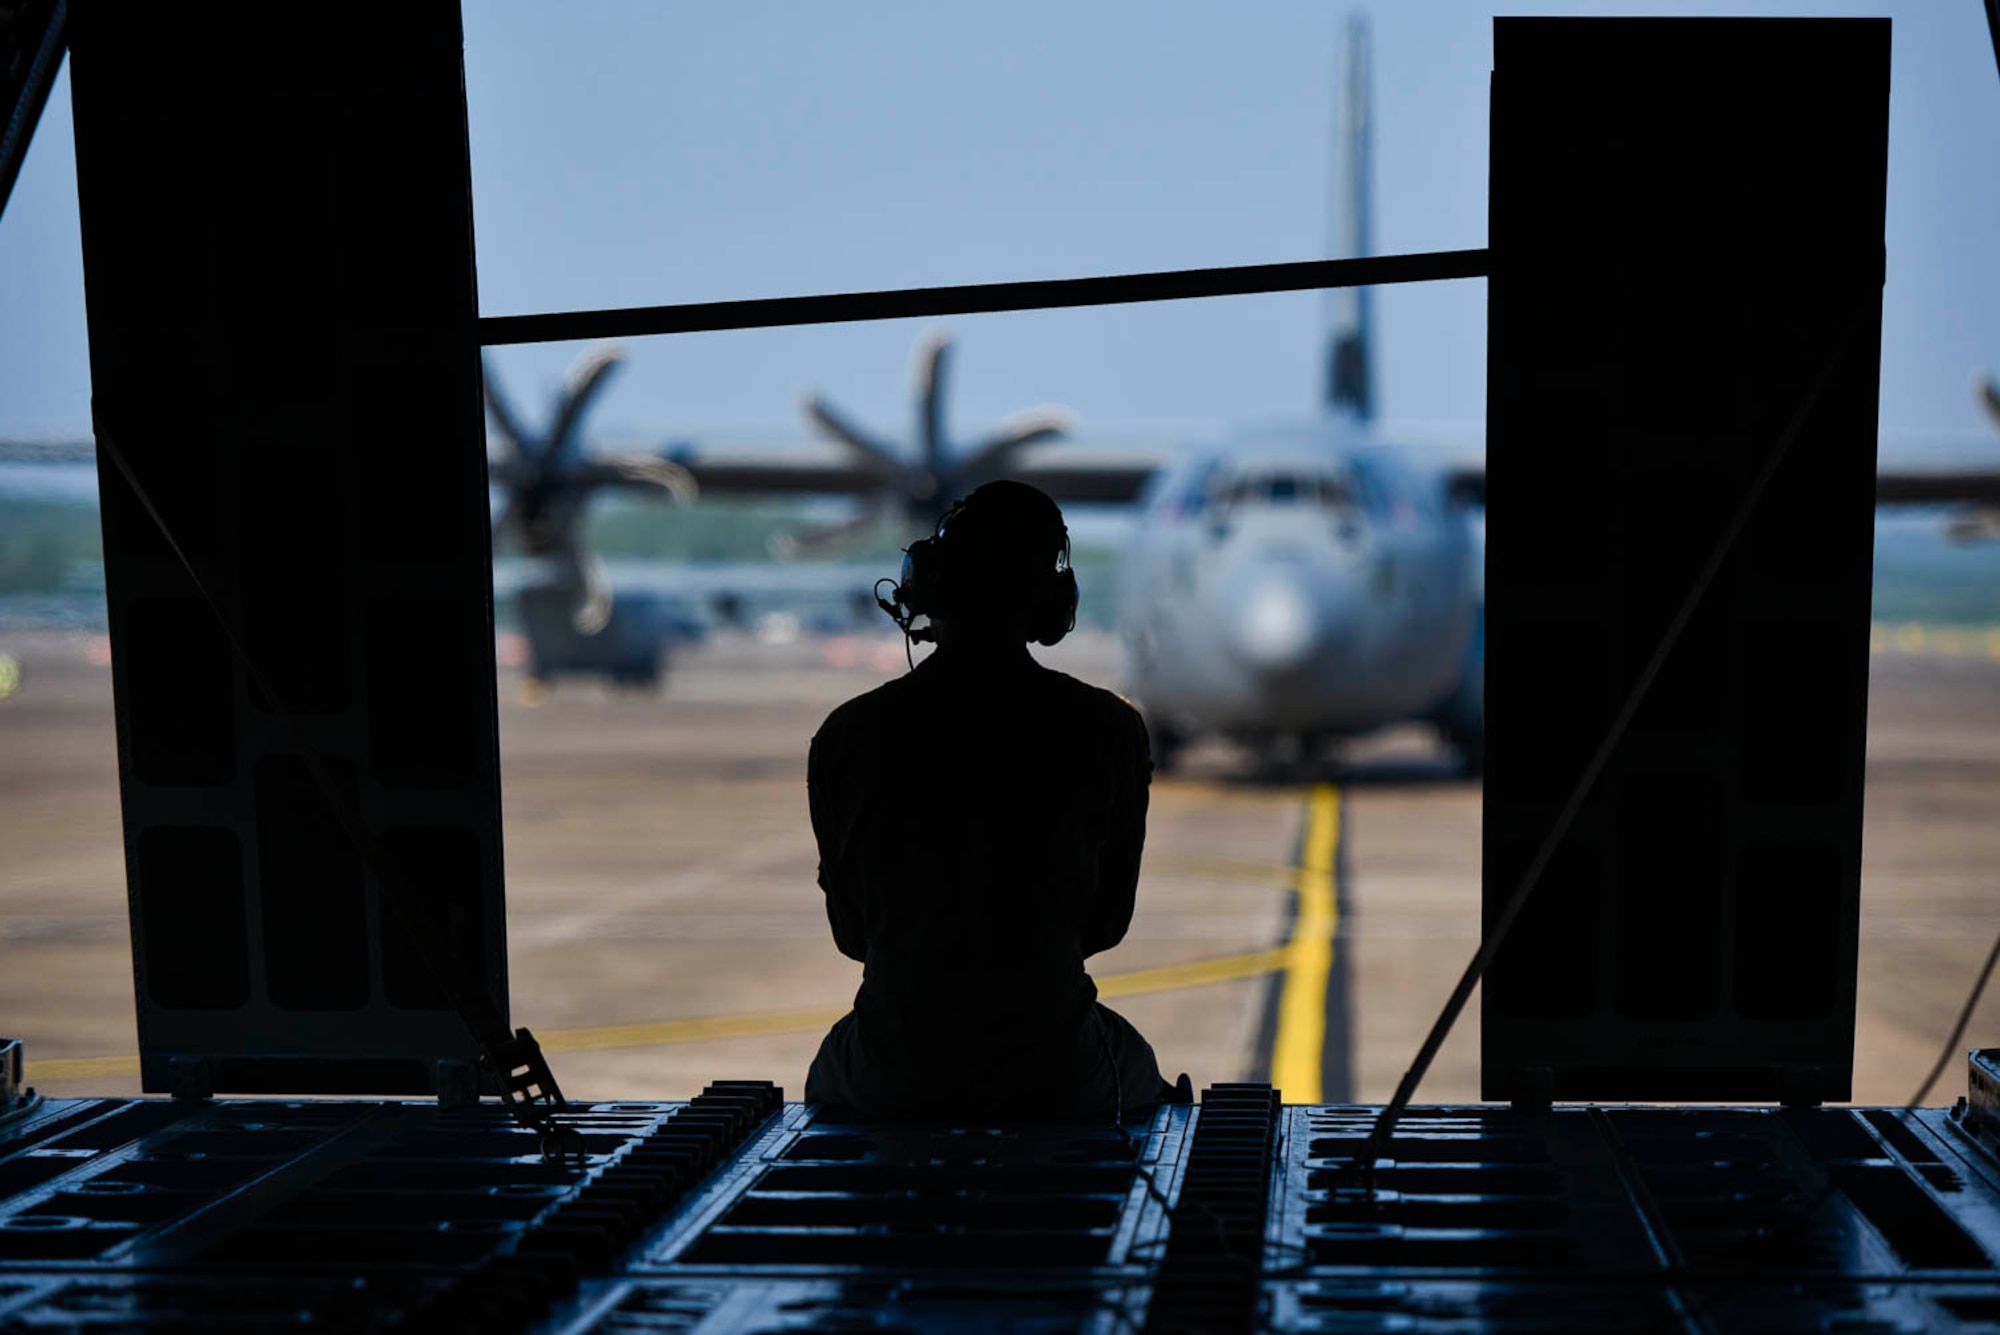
(665, 929)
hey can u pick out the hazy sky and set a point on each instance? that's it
(639, 152)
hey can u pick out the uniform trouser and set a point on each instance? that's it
(1116, 1068)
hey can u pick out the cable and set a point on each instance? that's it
(901, 618)
(1496, 934)
(1141, 1250)
(1138, 1151)
(1957, 1030)
(1993, 27)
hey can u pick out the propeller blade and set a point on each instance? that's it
(1989, 398)
(992, 456)
(823, 415)
(933, 361)
(505, 423)
(591, 612)
(586, 380)
(643, 470)
(507, 471)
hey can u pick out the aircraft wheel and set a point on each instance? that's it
(1274, 756)
(1317, 754)
(649, 677)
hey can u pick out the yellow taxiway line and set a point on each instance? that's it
(80, 1068)
(1306, 959)
(1137, 982)
(1916, 637)
(1298, 1047)
(659, 1032)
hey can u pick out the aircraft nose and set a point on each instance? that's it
(1278, 624)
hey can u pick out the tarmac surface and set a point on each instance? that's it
(665, 929)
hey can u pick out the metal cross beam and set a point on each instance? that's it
(975, 298)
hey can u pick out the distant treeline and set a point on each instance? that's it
(51, 546)
(1921, 577)
(727, 530)
(43, 544)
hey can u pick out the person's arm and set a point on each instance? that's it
(843, 908)
(1118, 861)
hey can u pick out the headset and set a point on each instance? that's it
(924, 587)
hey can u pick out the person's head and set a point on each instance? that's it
(998, 569)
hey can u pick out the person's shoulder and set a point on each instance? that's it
(863, 712)
(1109, 708)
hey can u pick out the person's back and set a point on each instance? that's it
(979, 824)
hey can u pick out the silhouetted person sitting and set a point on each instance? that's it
(979, 824)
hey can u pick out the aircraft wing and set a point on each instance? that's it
(1936, 486)
(1898, 485)
(1098, 485)
(1089, 484)
(1095, 479)
(750, 474)
(1067, 474)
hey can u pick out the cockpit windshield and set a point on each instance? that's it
(1289, 487)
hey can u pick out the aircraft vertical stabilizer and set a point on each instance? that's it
(1350, 379)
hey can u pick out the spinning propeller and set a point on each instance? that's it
(549, 481)
(916, 483)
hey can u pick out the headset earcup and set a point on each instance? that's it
(926, 584)
(1059, 614)
(916, 589)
